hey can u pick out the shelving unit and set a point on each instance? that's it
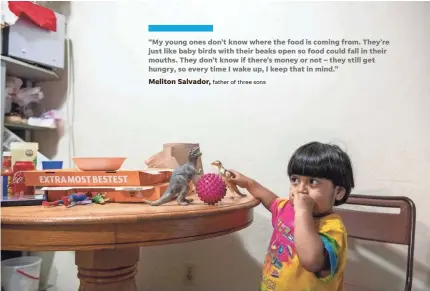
(31, 74)
(17, 126)
(28, 72)
(25, 131)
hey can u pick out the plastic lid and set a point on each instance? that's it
(7, 154)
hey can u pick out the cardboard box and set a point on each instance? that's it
(115, 194)
(75, 177)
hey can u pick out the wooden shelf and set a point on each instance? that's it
(25, 127)
(28, 71)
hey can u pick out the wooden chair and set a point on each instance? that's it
(395, 228)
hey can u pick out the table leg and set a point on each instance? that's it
(107, 270)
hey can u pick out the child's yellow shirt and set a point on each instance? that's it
(282, 270)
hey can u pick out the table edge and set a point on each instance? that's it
(126, 218)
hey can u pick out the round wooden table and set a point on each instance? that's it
(107, 237)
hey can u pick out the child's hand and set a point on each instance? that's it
(240, 180)
(254, 188)
(303, 203)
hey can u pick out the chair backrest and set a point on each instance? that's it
(396, 228)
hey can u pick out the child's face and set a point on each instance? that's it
(322, 191)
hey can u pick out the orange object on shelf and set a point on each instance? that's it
(99, 164)
(75, 177)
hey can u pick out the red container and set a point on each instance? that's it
(18, 180)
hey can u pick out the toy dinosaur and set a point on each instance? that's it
(179, 184)
(99, 198)
(226, 176)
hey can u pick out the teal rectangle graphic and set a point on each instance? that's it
(180, 28)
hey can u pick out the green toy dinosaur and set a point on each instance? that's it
(99, 198)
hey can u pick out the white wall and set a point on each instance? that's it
(378, 112)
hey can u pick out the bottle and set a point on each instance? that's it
(18, 179)
(24, 151)
(7, 173)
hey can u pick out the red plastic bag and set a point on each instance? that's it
(42, 16)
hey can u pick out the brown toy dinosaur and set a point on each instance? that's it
(226, 176)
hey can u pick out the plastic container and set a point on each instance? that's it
(21, 273)
(24, 151)
(52, 165)
(99, 164)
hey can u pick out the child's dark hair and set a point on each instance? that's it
(325, 161)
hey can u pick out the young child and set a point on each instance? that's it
(308, 248)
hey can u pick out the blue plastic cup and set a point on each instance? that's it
(52, 165)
